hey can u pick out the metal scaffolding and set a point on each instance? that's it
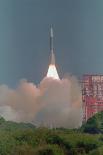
(92, 95)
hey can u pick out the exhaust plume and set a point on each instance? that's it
(54, 103)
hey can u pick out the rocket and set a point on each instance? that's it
(52, 71)
(51, 46)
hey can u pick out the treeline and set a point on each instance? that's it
(43, 141)
(26, 139)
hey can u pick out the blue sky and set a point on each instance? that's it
(24, 38)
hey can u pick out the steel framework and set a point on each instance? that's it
(92, 95)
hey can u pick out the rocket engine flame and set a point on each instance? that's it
(52, 72)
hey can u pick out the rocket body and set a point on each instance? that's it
(51, 39)
(52, 47)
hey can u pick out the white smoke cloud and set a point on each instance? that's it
(53, 102)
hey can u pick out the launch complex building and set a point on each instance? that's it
(92, 95)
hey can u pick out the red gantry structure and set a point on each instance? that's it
(92, 95)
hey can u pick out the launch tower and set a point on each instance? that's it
(92, 95)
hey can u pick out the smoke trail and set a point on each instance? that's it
(53, 102)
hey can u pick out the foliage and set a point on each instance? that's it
(24, 149)
(94, 125)
(25, 139)
(49, 150)
(98, 151)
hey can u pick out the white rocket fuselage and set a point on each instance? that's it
(52, 47)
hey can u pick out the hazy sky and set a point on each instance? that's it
(24, 38)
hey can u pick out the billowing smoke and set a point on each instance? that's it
(55, 103)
